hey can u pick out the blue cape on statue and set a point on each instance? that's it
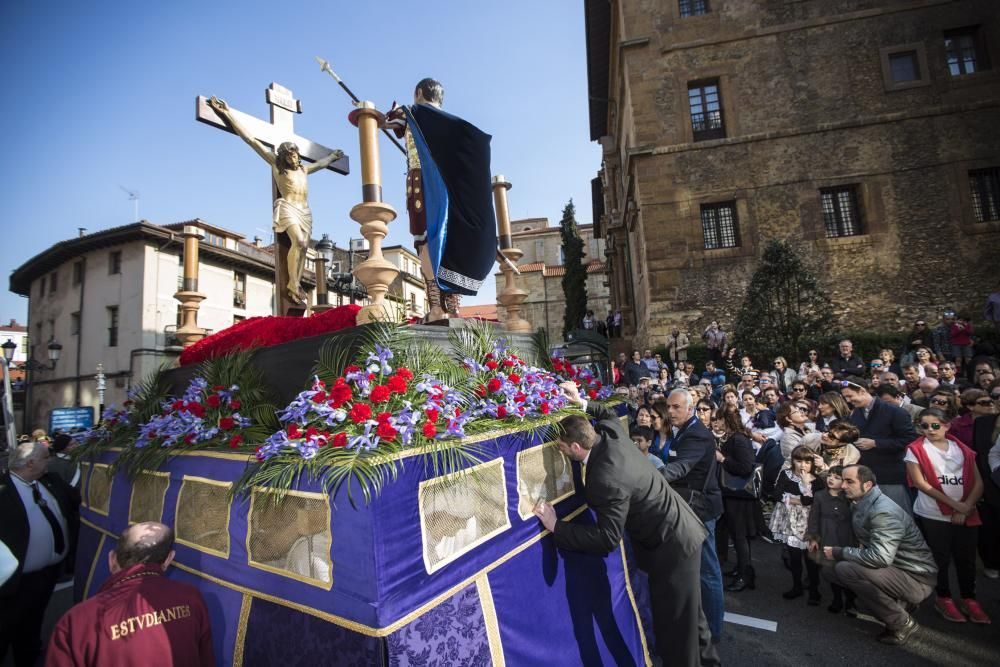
(458, 197)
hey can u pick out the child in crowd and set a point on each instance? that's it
(960, 335)
(830, 526)
(642, 436)
(795, 490)
(949, 485)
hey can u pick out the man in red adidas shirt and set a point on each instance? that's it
(139, 617)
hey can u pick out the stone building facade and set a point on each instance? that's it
(863, 131)
(542, 268)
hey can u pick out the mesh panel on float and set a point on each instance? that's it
(148, 492)
(292, 536)
(202, 518)
(458, 512)
(543, 473)
(99, 488)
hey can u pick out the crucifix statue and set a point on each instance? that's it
(291, 216)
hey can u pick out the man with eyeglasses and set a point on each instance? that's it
(886, 430)
(37, 512)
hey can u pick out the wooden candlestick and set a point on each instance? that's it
(190, 298)
(500, 188)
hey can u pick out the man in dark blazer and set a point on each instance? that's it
(886, 431)
(37, 515)
(691, 470)
(626, 492)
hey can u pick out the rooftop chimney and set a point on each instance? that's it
(82, 231)
(258, 242)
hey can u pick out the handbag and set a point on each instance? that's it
(747, 487)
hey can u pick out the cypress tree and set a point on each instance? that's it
(784, 308)
(574, 281)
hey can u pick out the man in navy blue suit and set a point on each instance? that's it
(886, 430)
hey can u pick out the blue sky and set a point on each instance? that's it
(100, 96)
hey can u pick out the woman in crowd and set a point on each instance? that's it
(975, 403)
(795, 489)
(784, 375)
(703, 410)
(810, 365)
(664, 381)
(888, 358)
(792, 418)
(730, 398)
(736, 457)
(924, 357)
(644, 416)
(837, 444)
(948, 484)
(662, 435)
(944, 399)
(831, 406)
(681, 375)
(758, 419)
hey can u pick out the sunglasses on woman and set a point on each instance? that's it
(985, 402)
(704, 409)
(924, 426)
(937, 401)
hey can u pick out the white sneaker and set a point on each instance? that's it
(992, 574)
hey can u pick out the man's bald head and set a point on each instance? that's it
(148, 542)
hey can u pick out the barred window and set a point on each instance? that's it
(985, 185)
(706, 110)
(841, 214)
(719, 224)
(693, 7)
(964, 51)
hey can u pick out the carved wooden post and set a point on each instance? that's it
(375, 273)
(189, 332)
(512, 296)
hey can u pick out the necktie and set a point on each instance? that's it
(50, 517)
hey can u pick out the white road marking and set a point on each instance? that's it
(750, 621)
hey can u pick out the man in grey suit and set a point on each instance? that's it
(625, 491)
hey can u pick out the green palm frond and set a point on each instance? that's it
(541, 345)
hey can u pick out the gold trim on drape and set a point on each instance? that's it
(241, 631)
(635, 607)
(93, 565)
(490, 620)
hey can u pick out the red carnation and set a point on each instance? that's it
(494, 385)
(311, 432)
(340, 440)
(592, 394)
(481, 390)
(520, 397)
(557, 365)
(501, 411)
(492, 365)
(429, 430)
(213, 401)
(432, 414)
(544, 407)
(351, 369)
(227, 423)
(514, 377)
(397, 385)
(235, 404)
(339, 381)
(386, 432)
(189, 439)
(404, 373)
(293, 431)
(371, 376)
(235, 441)
(258, 454)
(489, 355)
(508, 363)
(380, 394)
(360, 412)
(319, 397)
(177, 405)
(197, 409)
(383, 417)
(218, 387)
(339, 395)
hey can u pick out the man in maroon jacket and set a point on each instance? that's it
(139, 617)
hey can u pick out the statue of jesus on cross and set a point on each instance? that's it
(291, 206)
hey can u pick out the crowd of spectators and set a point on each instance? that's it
(876, 475)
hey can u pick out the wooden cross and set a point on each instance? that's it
(284, 106)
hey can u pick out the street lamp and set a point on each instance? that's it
(8, 400)
(324, 255)
(32, 365)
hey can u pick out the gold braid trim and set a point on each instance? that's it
(490, 620)
(241, 631)
(635, 607)
(93, 564)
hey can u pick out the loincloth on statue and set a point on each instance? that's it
(415, 207)
(287, 214)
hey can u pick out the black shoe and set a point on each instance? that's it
(741, 583)
(796, 592)
(899, 637)
(814, 599)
